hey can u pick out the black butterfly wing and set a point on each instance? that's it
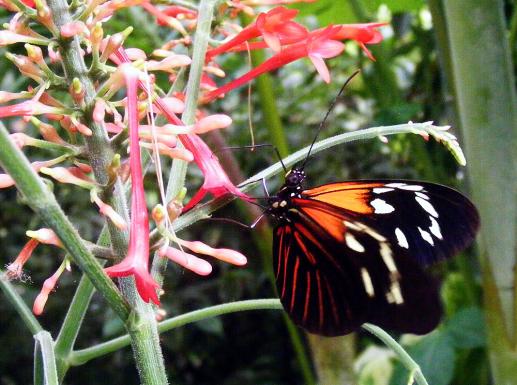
(339, 263)
(432, 222)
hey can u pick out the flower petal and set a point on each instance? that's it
(321, 67)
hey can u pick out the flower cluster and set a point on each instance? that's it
(120, 101)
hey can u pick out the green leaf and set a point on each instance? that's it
(395, 6)
(338, 12)
(328, 12)
(467, 328)
(435, 355)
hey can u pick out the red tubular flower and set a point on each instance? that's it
(367, 33)
(136, 262)
(15, 269)
(180, 12)
(318, 46)
(216, 181)
(274, 26)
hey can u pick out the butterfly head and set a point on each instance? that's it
(294, 178)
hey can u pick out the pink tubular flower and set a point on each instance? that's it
(273, 26)
(216, 180)
(48, 286)
(136, 263)
(109, 212)
(28, 108)
(188, 261)
(225, 255)
(74, 28)
(318, 46)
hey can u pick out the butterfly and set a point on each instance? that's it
(352, 252)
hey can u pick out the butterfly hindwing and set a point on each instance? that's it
(340, 259)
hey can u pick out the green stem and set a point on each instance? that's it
(204, 211)
(80, 357)
(74, 317)
(179, 168)
(512, 38)
(44, 203)
(19, 304)
(45, 372)
(405, 358)
(142, 324)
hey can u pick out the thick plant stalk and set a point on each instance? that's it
(486, 100)
(334, 358)
(142, 324)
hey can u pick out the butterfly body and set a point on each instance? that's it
(347, 253)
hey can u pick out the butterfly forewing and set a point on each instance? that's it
(351, 252)
(430, 221)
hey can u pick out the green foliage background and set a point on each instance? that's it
(407, 82)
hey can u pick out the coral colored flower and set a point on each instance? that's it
(216, 180)
(71, 175)
(317, 46)
(28, 108)
(225, 255)
(48, 286)
(273, 26)
(163, 18)
(212, 122)
(187, 260)
(136, 263)
(15, 269)
(363, 34)
(180, 12)
(74, 28)
(109, 212)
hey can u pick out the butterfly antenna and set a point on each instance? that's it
(332, 105)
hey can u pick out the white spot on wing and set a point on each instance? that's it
(380, 190)
(422, 195)
(367, 280)
(401, 238)
(395, 294)
(381, 207)
(396, 185)
(427, 206)
(426, 236)
(411, 187)
(352, 225)
(353, 243)
(435, 228)
(387, 257)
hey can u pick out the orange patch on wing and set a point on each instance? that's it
(332, 224)
(353, 196)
